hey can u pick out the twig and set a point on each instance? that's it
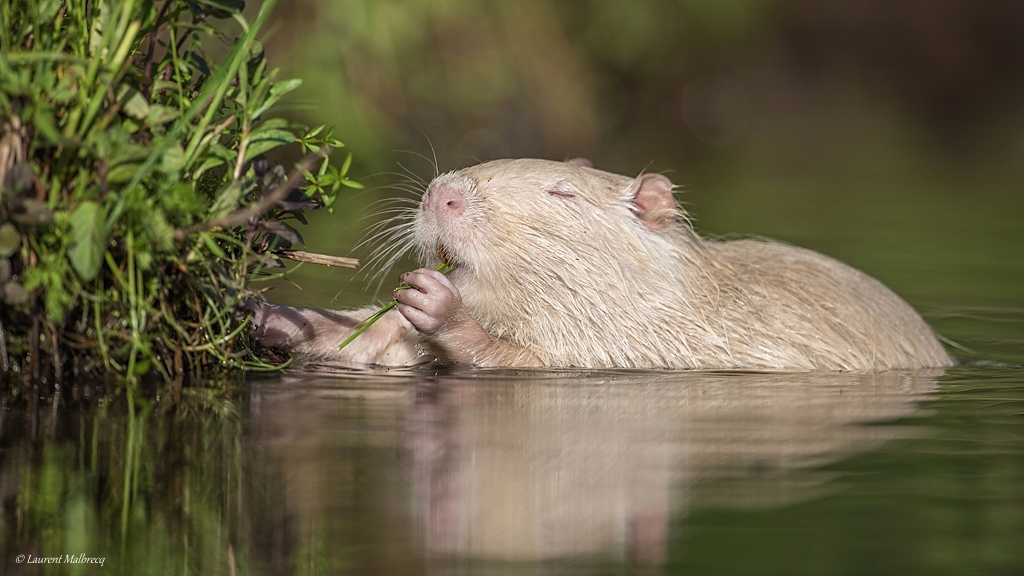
(312, 258)
(217, 131)
(243, 215)
(243, 144)
(152, 48)
(3, 348)
(33, 338)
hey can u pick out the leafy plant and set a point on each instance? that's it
(137, 202)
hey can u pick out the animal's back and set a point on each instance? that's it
(790, 307)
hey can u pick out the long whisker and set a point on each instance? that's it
(392, 208)
(399, 201)
(412, 175)
(389, 235)
(400, 252)
(432, 159)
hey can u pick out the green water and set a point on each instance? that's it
(581, 473)
(588, 473)
(527, 473)
(612, 472)
(481, 472)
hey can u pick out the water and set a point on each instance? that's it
(527, 473)
(580, 473)
(612, 472)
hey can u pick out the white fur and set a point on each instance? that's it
(580, 281)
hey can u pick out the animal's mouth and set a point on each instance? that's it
(446, 256)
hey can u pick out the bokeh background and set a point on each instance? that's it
(888, 135)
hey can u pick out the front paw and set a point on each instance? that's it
(432, 304)
(277, 327)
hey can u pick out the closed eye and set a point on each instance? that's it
(561, 193)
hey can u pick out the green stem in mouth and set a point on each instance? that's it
(443, 268)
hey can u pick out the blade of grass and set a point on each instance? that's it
(443, 268)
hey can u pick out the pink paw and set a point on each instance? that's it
(277, 327)
(432, 304)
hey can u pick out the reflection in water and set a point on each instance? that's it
(592, 467)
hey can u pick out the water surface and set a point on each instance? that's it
(480, 472)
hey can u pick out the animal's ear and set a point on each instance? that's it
(580, 162)
(655, 205)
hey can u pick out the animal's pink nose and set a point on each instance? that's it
(444, 199)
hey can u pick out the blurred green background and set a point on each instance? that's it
(888, 135)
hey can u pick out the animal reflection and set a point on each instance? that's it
(583, 467)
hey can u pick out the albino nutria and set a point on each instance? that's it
(560, 264)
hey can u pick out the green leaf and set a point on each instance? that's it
(208, 164)
(277, 90)
(285, 86)
(227, 199)
(9, 240)
(161, 115)
(123, 172)
(221, 151)
(271, 124)
(173, 160)
(181, 203)
(63, 93)
(136, 105)
(124, 152)
(143, 366)
(228, 6)
(266, 141)
(212, 245)
(209, 98)
(99, 23)
(43, 121)
(48, 9)
(161, 231)
(87, 233)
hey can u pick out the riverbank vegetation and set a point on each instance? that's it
(138, 203)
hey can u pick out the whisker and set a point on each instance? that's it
(389, 236)
(386, 234)
(400, 250)
(411, 202)
(392, 215)
(431, 161)
(437, 171)
(392, 208)
(412, 175)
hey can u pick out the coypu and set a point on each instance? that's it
(559, 264)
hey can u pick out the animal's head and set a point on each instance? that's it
(561, 220)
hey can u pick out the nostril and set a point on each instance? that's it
(444, 199)
(455, 206)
